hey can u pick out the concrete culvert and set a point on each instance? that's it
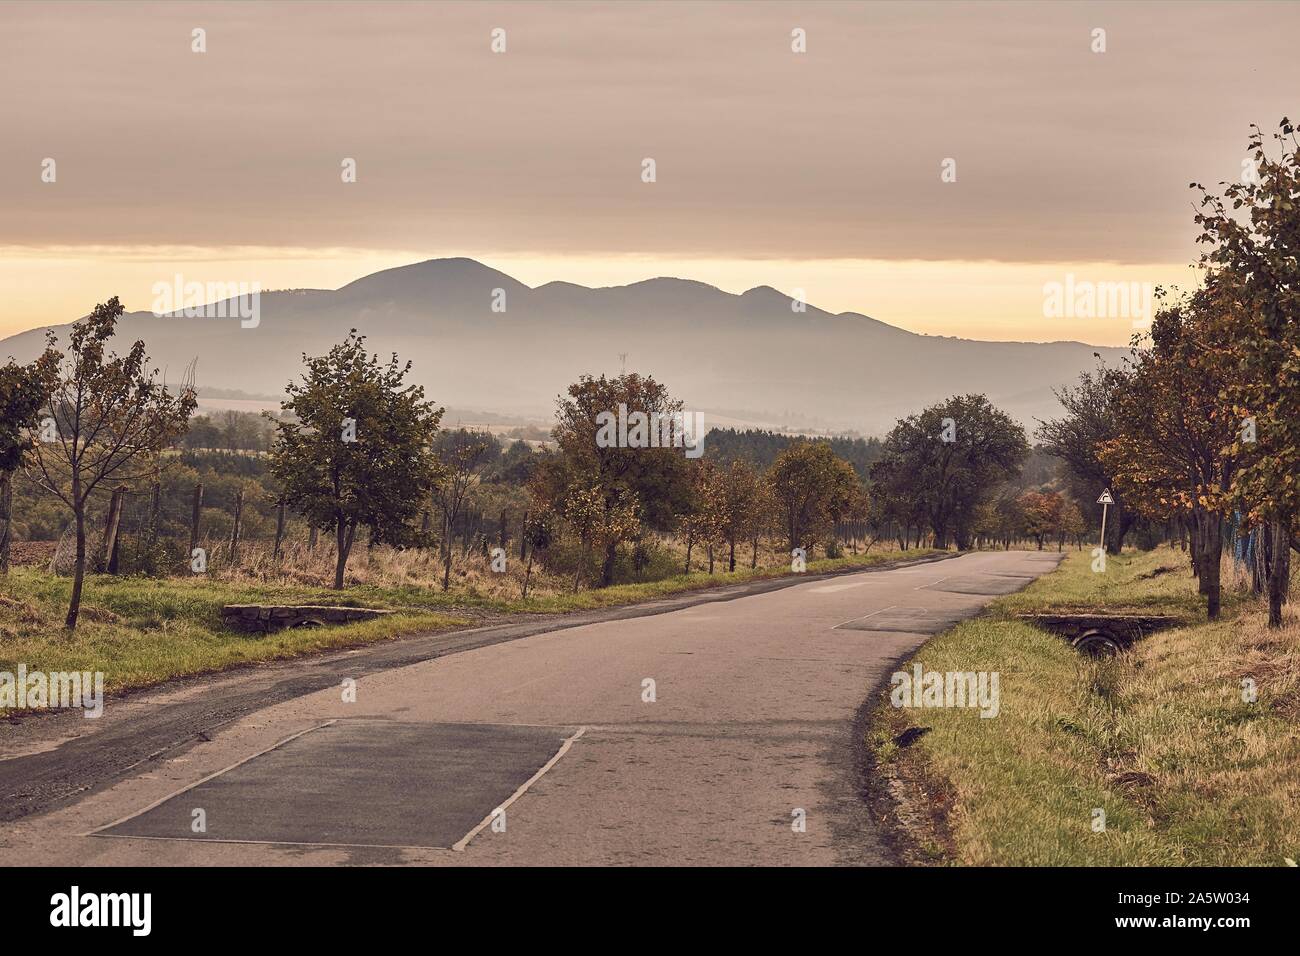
(1097, 643)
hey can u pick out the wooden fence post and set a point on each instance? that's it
(6, 519)
(195, 517)
(108, 549)
(279, 530)
(234, 531)
(155, 512)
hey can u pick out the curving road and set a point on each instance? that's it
(695, 735)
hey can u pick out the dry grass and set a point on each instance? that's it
(1162, 739)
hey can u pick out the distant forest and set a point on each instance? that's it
(761, 448)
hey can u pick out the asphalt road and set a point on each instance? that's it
(695, 735)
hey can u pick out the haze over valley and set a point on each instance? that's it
(741, 359)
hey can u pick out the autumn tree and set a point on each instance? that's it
(599, 520)
(947, 460)
(110, 416)
(652, 483)
(1250, 232)
(462, 454)
(23, 393)
(730, 495)
(354, 447)
(1091, 420)
(700, 523)
(1174, 453)
(1041, 514)
(1072, 524)
(812, 488)
(539, 534)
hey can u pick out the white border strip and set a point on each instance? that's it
(459, 845)
(177, 793)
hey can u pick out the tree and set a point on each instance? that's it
(701, 520)
(1091, 421)
(812, 488)
(739, 488)
(539, 534)
(462, 454)
(948, 459)
(651, 482)
(1041, 513)
(1251, 239)
(1174, 451)
(1071, 525)
(111, 418)
(599, 521)
(23, 393)
(353, 447)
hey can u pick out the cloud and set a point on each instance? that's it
(1062, 154)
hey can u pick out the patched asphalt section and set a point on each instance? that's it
(906, 620)
(373, 783)
(986, 584)
(81, 763)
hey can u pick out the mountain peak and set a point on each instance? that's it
(452, 271)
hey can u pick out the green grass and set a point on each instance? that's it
(141, 631)
(1159, 738)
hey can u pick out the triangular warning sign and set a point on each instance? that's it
(1105, 498)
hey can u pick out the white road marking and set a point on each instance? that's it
(185, 839)
(864, 617)
(932, 583)
(459, 845)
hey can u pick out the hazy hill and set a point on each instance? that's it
(748, 357)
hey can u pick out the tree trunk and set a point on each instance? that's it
(710, 553)
(1210, 536)
(690, 546)
(607, 568)
(6, 519)
(312, 535)
(155, 514)
(446, 553)
(79, 567)
(234, 530)
(1119, 529)
(731, 554)
(343, 541)
(1258, 554)
(523, 537)
(1279, 576)
(1194, 552)
(577, 571)
(753, 555)
(528, 573)
(195, 516)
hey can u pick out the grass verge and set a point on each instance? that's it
(1162, 740)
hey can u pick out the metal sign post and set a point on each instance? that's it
(1105, 501)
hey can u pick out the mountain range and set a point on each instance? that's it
(747, 358)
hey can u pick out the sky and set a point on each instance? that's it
(817, 172)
